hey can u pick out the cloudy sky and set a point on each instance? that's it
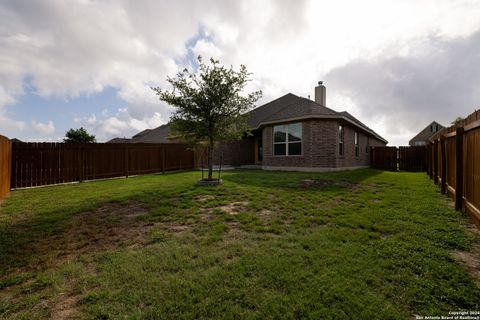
(396, 65)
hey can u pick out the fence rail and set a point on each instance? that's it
(38, 164)
(5, 165)
(454, 163)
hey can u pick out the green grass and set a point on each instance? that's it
(369, 245)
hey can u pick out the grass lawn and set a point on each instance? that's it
(362, 244)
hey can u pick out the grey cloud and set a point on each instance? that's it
(438, 80)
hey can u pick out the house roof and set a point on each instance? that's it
(119, 140)
(286, 108)
(427, 133)
(157, 135)
(291, 107)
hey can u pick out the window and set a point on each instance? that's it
(356, 144)
(367, 146)
(287, 140)
(340, 140)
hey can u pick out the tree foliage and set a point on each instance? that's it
(210, 104)
(78, 136)
(458, 120)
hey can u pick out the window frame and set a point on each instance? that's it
(357, 144)
(341, 140)
(287, 142)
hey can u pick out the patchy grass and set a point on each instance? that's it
(361, 244)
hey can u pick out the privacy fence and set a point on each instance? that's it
(5, 165)
(38, 164)
(401, 158)
(454, 163)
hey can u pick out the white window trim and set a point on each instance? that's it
(341, 140)
(286, 143)
(357, 144)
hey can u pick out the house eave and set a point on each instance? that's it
(328, 117)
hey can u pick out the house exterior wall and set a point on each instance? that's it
(349, 159)
(235, 153)
(318, 146)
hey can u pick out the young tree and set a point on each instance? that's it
(210, 105)
(78, 136)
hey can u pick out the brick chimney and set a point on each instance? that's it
(321, 94)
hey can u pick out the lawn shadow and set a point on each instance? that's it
(300, 180)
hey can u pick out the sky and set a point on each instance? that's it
(395, 65)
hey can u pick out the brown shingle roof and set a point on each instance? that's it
(285, 108)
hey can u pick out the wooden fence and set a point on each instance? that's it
(401, 158)
(38, 164)
(454, 163)
(5, 165)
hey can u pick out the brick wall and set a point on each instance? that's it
(349, 159)
(321, 147)
(235, 153)
(318, 144)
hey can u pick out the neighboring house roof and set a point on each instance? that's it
(286, 108)
(157, 135)
(427, 132)
(119, 140)
(15, 140)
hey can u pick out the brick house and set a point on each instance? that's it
(294, 133)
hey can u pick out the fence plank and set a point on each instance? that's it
(5, 166)
(443, 160)
(39, 164)
(459, 169)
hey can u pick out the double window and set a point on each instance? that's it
(340, 139)
(287, 139)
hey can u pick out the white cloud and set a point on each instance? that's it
(122, 124)
(43, 128)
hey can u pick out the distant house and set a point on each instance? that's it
(423, 137)
(120, 140)
(293, 133)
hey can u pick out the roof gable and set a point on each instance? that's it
(427, 132)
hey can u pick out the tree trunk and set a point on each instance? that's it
(210, 159)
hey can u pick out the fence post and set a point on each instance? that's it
(435, 162)
(459, 169)
(444, 164)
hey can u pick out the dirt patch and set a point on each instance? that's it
(265, 213)
(177, 228)
(234, 207)
(322, 183)
(470, 260)
(66, 307)
(106, 228)
(204, 198)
